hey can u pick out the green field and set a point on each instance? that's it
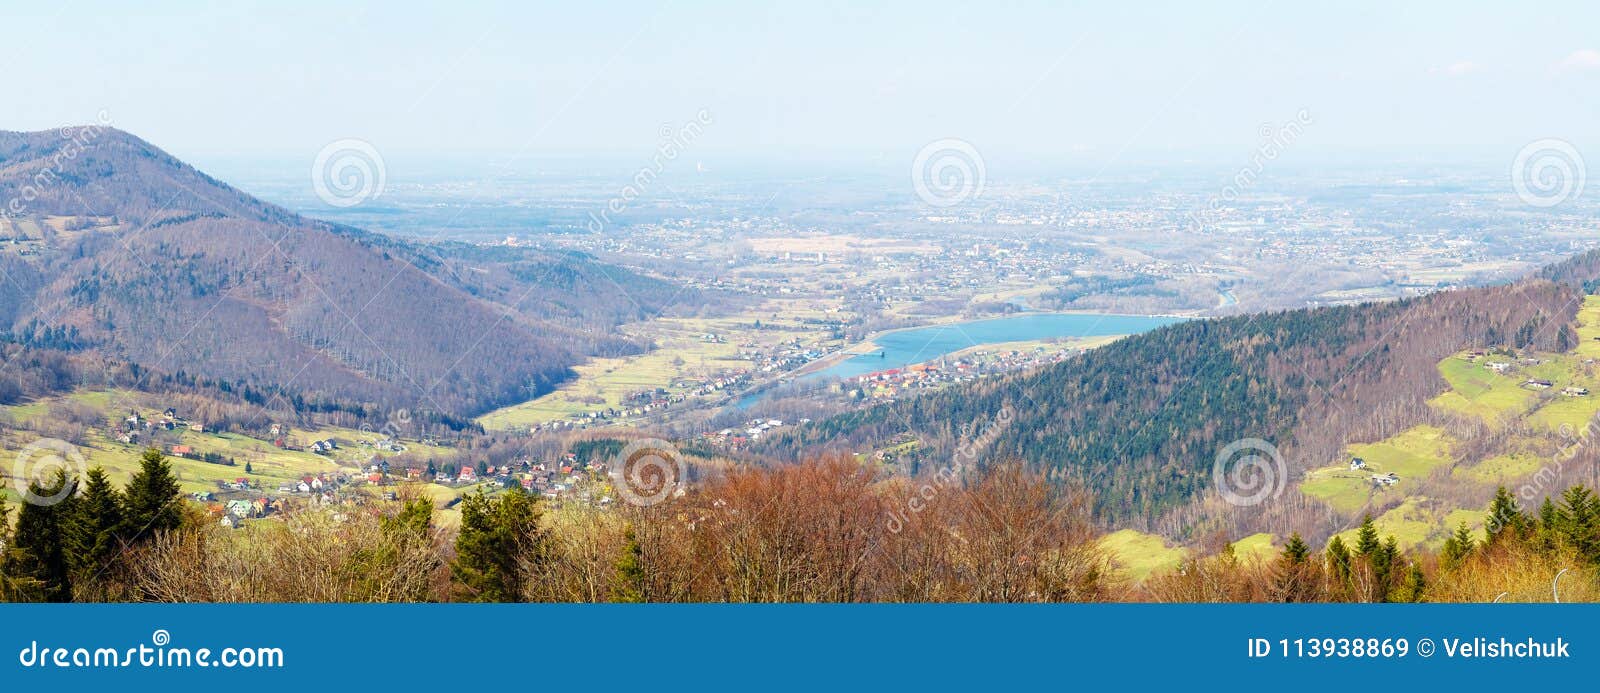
(1256, 547)
(1589, 328)
(269, 465)
(1420, 522)
(1413, 454)
(1346, 491)
(1567, 413)
(1139, 554)
(1502, 469)
(122, 461)
(680, 356)
(1477, 391)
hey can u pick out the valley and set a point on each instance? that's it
(284, 363)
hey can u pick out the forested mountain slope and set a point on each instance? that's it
(1140, 422)
(116, 250)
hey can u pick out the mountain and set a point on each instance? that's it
(121, 257)
(1141, 422)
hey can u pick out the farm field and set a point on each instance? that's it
(121, 461)
(1411, 454)
(836, 244)
(1023, 293)
(603, 383)
(1588, 328)
(1567, 413)
(1261, 546)
(1502, 469)
(1141, 554)
(682, 359)
(269, 465)
(1475, 390)
(1346, 491)
(1421, 522)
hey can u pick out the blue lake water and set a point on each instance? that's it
(905, 347)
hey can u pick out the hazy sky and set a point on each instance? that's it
(783, 81)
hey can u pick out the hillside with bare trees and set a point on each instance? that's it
(123, 254)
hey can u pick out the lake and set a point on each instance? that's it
(902, 348)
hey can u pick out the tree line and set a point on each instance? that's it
(824, 530)
(73, 538)
(1520, 556)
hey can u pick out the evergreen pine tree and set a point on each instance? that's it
(35, 561)
(1549, 530)
(1506, 520)
(415, 517)
(1293, 577)
(627, 585)
(1457, 547)
(1339, 560)
(497, 535)
(151, 499)
(1415, 586)
(1578, 523)
(1367, 537)
(1566, 337)
(406, 533)
(1295, 551)
(1384, 561)
(91, 531)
